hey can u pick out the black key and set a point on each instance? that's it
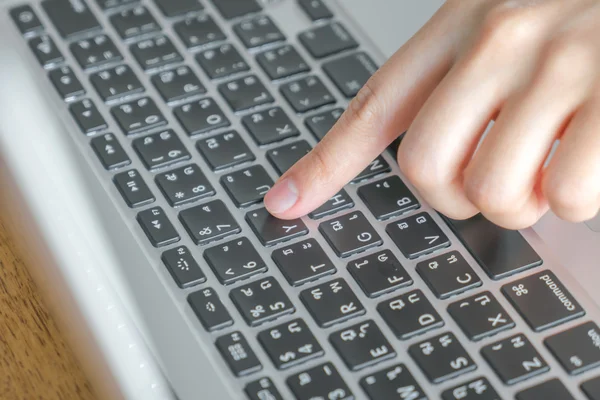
(177, 84)
(209, 222)
(237, 353)
(247, 186)
(230, 9)
(500, 252)
(95, 52)
(198, 30)
(270, 126)
(282, 62)
(376, 167)
(477, 389)
(272, 231)
(87, 116)
(321, 123)
(392, 382)
(133, 22)
(552, 389)
(161, 149)
(362, 345)
(388, 197)
(262, 389)
(210, 310)
(350, 234)
(134, 190)
(290, 344)
(480, 316)
(157, 227)
(514, 359)
(315, 9)
(234, 260)
(542, 300)
(109, 151)
(184, 185)
(303, 262)
(261, 301)
(350, 73)
(225, 150)
(183, 267)
(258, 31)
(155, 52)
(282, 158)
(410, 314)
(244, 93)
(320, 382)
(379, 273)
(66, 83)
(332, 302)
(442, 357)
(417, 235)
(45, 51)
(70, 18)
(108, 4)
(307, 94)
(326, 40)
(138, 115)
(448, 275)
(201, 116)
(26, 20)
(577, 348)
(341, 201)
(174, 8)
(591, 388)
(222, 61)
(116, 83)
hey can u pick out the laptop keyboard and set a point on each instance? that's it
(377, 301)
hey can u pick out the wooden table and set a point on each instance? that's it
(35, 361)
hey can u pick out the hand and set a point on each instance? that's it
(532, 66)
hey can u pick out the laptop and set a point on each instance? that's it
(137, 140)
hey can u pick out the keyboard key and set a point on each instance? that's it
(270, 126)
(417, 235)
(577, 348)
(480, 316)
(261, 301)
(225, 150)
(321, 123)
(442, 357)
(178, 84)
(222, 61)
(552, 389)
(210, 310)
(282, 62)
(66, 83)
(198, 30)
(307, 94)
(591, 388)
(514, 359)
(134, 190)
(70, 18)
(45, 51)
(448, 275)
(341, 201)
(209, 222)
(362, 345)
(303, 262)
(272, 231)
(542, 300)
(290, 344)
(392, 382)
(231, 9)
(95, 52)
(320, 382)
(326, 40)
(201, 116)
(26, 20)
(331, 302)
(174, 8)
(87, 116)
(376, 167)
(109, 151)
(244, 93)
(157, 227)
(184, 185)
(350, 73)
(500, 252)
(477, 389)
(388, 198)
(410, 314)
(237, 353)
(248, 186)
(262, 389)
(379, 273)
(108, 4)
(116, 83)
(161, 149)
(350, 234)
(155, 52)
(133, 22)
(183, 267)
(258, 31)
(138, 115)
(284, 157)
(234, 260)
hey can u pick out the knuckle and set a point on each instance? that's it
(488, 200)
(568, 56)
(415, 169)
(570, 199)
(504, 26)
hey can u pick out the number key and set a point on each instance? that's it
(95, 52)
(262, 389)
(184, 185)
(116, 83)
(234, 260)
(138, 115)
(320, 382)
(261, 301)
(209, 222)
(160, 149)
(201, 116)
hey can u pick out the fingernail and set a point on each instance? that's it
(281, 197)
